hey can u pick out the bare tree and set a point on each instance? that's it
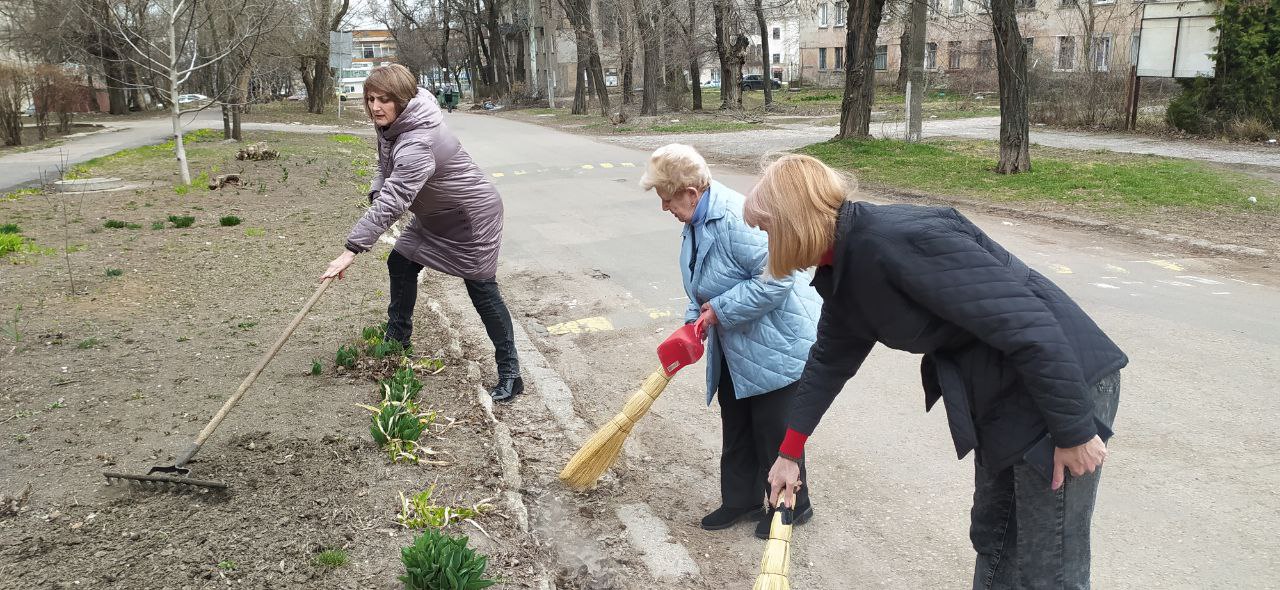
(1011, 61)
(731, 48)
(647, 19)
(590, 69)
(168, 46)
(862, 23)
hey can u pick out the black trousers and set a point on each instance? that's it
(753, 429)
(484, 296)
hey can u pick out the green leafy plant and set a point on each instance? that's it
(229, 221)
(284, 179)
(436, 561)
(181, 189)
(387, 348)
(371, 335)
(114, 224)
(347, 356)
(157, 225)
(87, 343)
(61, 403)
(331, 558)
(114, 272)
(247, 325)
(316, 367)
(431, 366)
(254, 232)
(12, 243)
(403, 386)
(18, 194)
(10, 228)
(418, 511)
(346, 138)
(396, 428)
(227, 565)
(181, 220)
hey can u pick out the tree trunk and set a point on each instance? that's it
(730, 84)
(322, 82)
(766, 69)
(862, 22)
(915, 69)
(580, 105)
(648, 22)
(904, 59)
(497, 52)
(180, 151)
(1011, 61)
(626, 52)
(695, 67)
(116, 95)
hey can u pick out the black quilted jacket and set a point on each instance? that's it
(1011, 356)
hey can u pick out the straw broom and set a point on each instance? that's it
(776, 561)
(602, 449)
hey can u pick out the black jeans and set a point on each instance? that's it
(484, 296)
(1028, 536)
(753, 429)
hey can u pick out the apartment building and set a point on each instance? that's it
(369, 49)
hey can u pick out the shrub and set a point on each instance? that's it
(229, 221)
(1249, 129)
(114, 272)
(436, 561)
(113, 224)
(181, 221)
(10, 228)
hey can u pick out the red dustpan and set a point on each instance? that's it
(681, 349)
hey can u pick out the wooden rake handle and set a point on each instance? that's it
(253, 376)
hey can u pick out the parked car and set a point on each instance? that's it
(190, 98)
(756, 82)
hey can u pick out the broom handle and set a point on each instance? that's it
(253, 376)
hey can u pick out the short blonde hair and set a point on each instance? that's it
(675, 166)
(797, 201)
(393, 80)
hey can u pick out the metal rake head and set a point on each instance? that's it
(156, 480)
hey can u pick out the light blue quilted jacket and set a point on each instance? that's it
(765, 326)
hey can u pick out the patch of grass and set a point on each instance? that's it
(117, 224)
(87, 343)
(825, 97)
(10, 243)
(61, 403)
(247, 325)
(332, 558)
(254, 232)
(181, 220)
(181, 189)
(702, 126)
(18, 194)
(157, 225)
(965, 168)
(114, 272)
(10, 228)
(346, 138)
(229, 221)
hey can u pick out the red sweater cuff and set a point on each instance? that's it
(793, 445)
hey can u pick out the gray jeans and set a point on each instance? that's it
(1028, 536)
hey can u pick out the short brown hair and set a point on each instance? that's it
(393, 80)
(797, 202)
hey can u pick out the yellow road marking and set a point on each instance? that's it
(656, 314)
(1060, 269)
(1166, 264)
(1114, 268)
(520, 173)
(588, 167)
(628, 165)
(498, 175)
(582, 326)
(606, 165)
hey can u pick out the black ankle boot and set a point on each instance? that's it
(507, 388)
(724, 517)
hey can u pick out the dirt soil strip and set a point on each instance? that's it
(123, 372)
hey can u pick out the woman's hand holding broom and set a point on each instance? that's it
(784, 475)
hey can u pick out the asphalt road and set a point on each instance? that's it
(1190, 498)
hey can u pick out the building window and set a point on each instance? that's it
(931, 56)
(777, 58)
(1102, 53)
(824, 14)
(839, 58)
(777, 33)
(954, 52)
(1066, 53)
(986, 55)
(842, 11)
(368, 50)
(1135, 43)
(882, 57)
(957, 6)
(822, 58)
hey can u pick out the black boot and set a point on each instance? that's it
(507, 388)
(803, 514)
(724, 517)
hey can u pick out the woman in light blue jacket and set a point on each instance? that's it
(758, 329)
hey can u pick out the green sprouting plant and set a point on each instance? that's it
(113, 224)
(181, 189)
(114, 272)
(372, 335)
(181, 220)
(436, 561)
(331, 558)
(10, 228)
(10, 328)
(247, 325)
(201, 180)
(316, 367)
(157, 225)
(418, 512)
(227, 565)
(347, 356)
(254, 232)
(285, 178)
(262, 188)
(387, 348)
(403, 386)
(229, 221)
(18, 194)
(87, 343)
(431, 366)
(61, 403)
(12, 243)
(396, 428)
(346, 138)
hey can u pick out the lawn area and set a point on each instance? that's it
(291, 111)
(683, 122)
(1101, 180)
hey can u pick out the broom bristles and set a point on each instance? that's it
(775, 563)
(602, 449)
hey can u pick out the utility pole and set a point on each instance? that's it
(549, 37)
